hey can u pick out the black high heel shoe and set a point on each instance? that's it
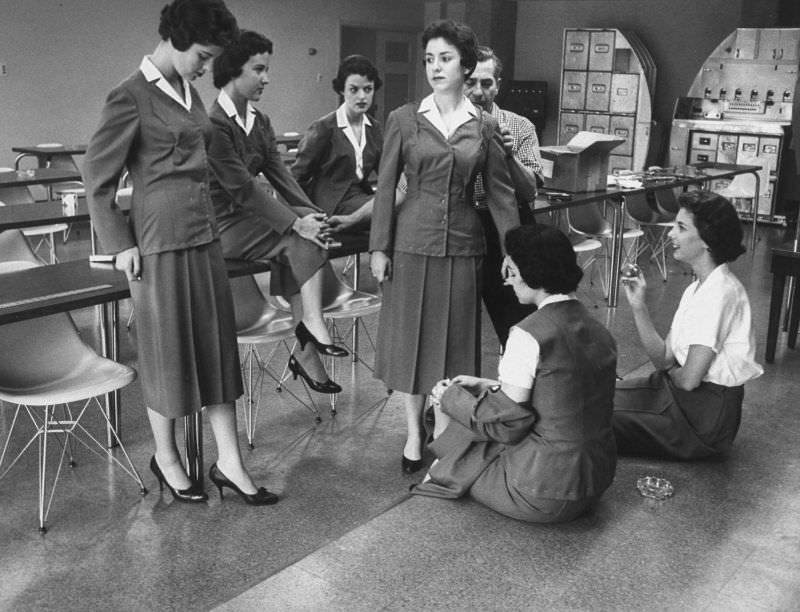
(262, 497)
(297, 369)
(411, 465)
(193, 495)
(304, 337)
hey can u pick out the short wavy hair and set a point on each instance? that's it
(457, 34)
(717, 223)
(205, 22)
(356, 64)
(487, 53)
(545, 258)
(228, 65)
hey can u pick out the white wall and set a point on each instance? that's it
(63, 57)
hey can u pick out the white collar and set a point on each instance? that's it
(358, 144)
(465, 111)
(151, 73)
(225, 102)
(341, 117)
(555, 298)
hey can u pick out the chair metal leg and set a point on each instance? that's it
(254, 369)
(69, 426)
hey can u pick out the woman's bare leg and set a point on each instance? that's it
(167, 455)
(413, 406)
(223, 423)
(308, 357)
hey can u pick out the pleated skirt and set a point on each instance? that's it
(429, 326)
(186, 331)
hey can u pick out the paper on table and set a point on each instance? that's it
(583, 139)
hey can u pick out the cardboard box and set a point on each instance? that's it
(581, 165)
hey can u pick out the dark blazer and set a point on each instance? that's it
(326, 164)
(438, 217)
(163, 147)
(237, 159)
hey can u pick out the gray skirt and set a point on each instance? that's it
(654, 417)
(429, 325)
(185, 331)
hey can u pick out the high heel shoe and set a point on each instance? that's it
(297, 369)
(411, 465)
(193, 495)
(304, 336)
(262, 497)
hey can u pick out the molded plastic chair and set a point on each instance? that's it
(52, 368)
(45, 233)
(588, 221)
(340, 302)
(258, 323)
(349, 304)
(583, 246)
(67, 162)
(655, 226)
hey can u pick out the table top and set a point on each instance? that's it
(38, 176)
(19, 216)
(289, 140)
(50, 149)
(44, 290)
(701, 173)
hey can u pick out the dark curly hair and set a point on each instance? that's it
(457, 34)
(717, 223)
(206, 22)
(356, 64)
(228, 65)
(545, 258)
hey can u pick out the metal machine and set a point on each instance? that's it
(738, 110)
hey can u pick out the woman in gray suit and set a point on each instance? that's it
(154, 124)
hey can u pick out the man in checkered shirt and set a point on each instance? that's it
(524, 162)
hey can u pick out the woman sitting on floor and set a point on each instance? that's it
(690, 407)
(537, 445)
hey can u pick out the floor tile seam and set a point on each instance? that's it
(386, 509)
(296, 562)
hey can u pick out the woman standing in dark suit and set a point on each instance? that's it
(341, 150)
(154, 124)
(428, 252)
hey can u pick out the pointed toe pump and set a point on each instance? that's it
(262, 497)
(193, 495)
(304, 336)
(297, 369)
(411, 466)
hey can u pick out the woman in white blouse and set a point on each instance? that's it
(341, 150)
(691, 406)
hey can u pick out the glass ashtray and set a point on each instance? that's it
(654, 487)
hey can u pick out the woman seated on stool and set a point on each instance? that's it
(341, 150)
(253, 224)
(536, 445)
(690, 407)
